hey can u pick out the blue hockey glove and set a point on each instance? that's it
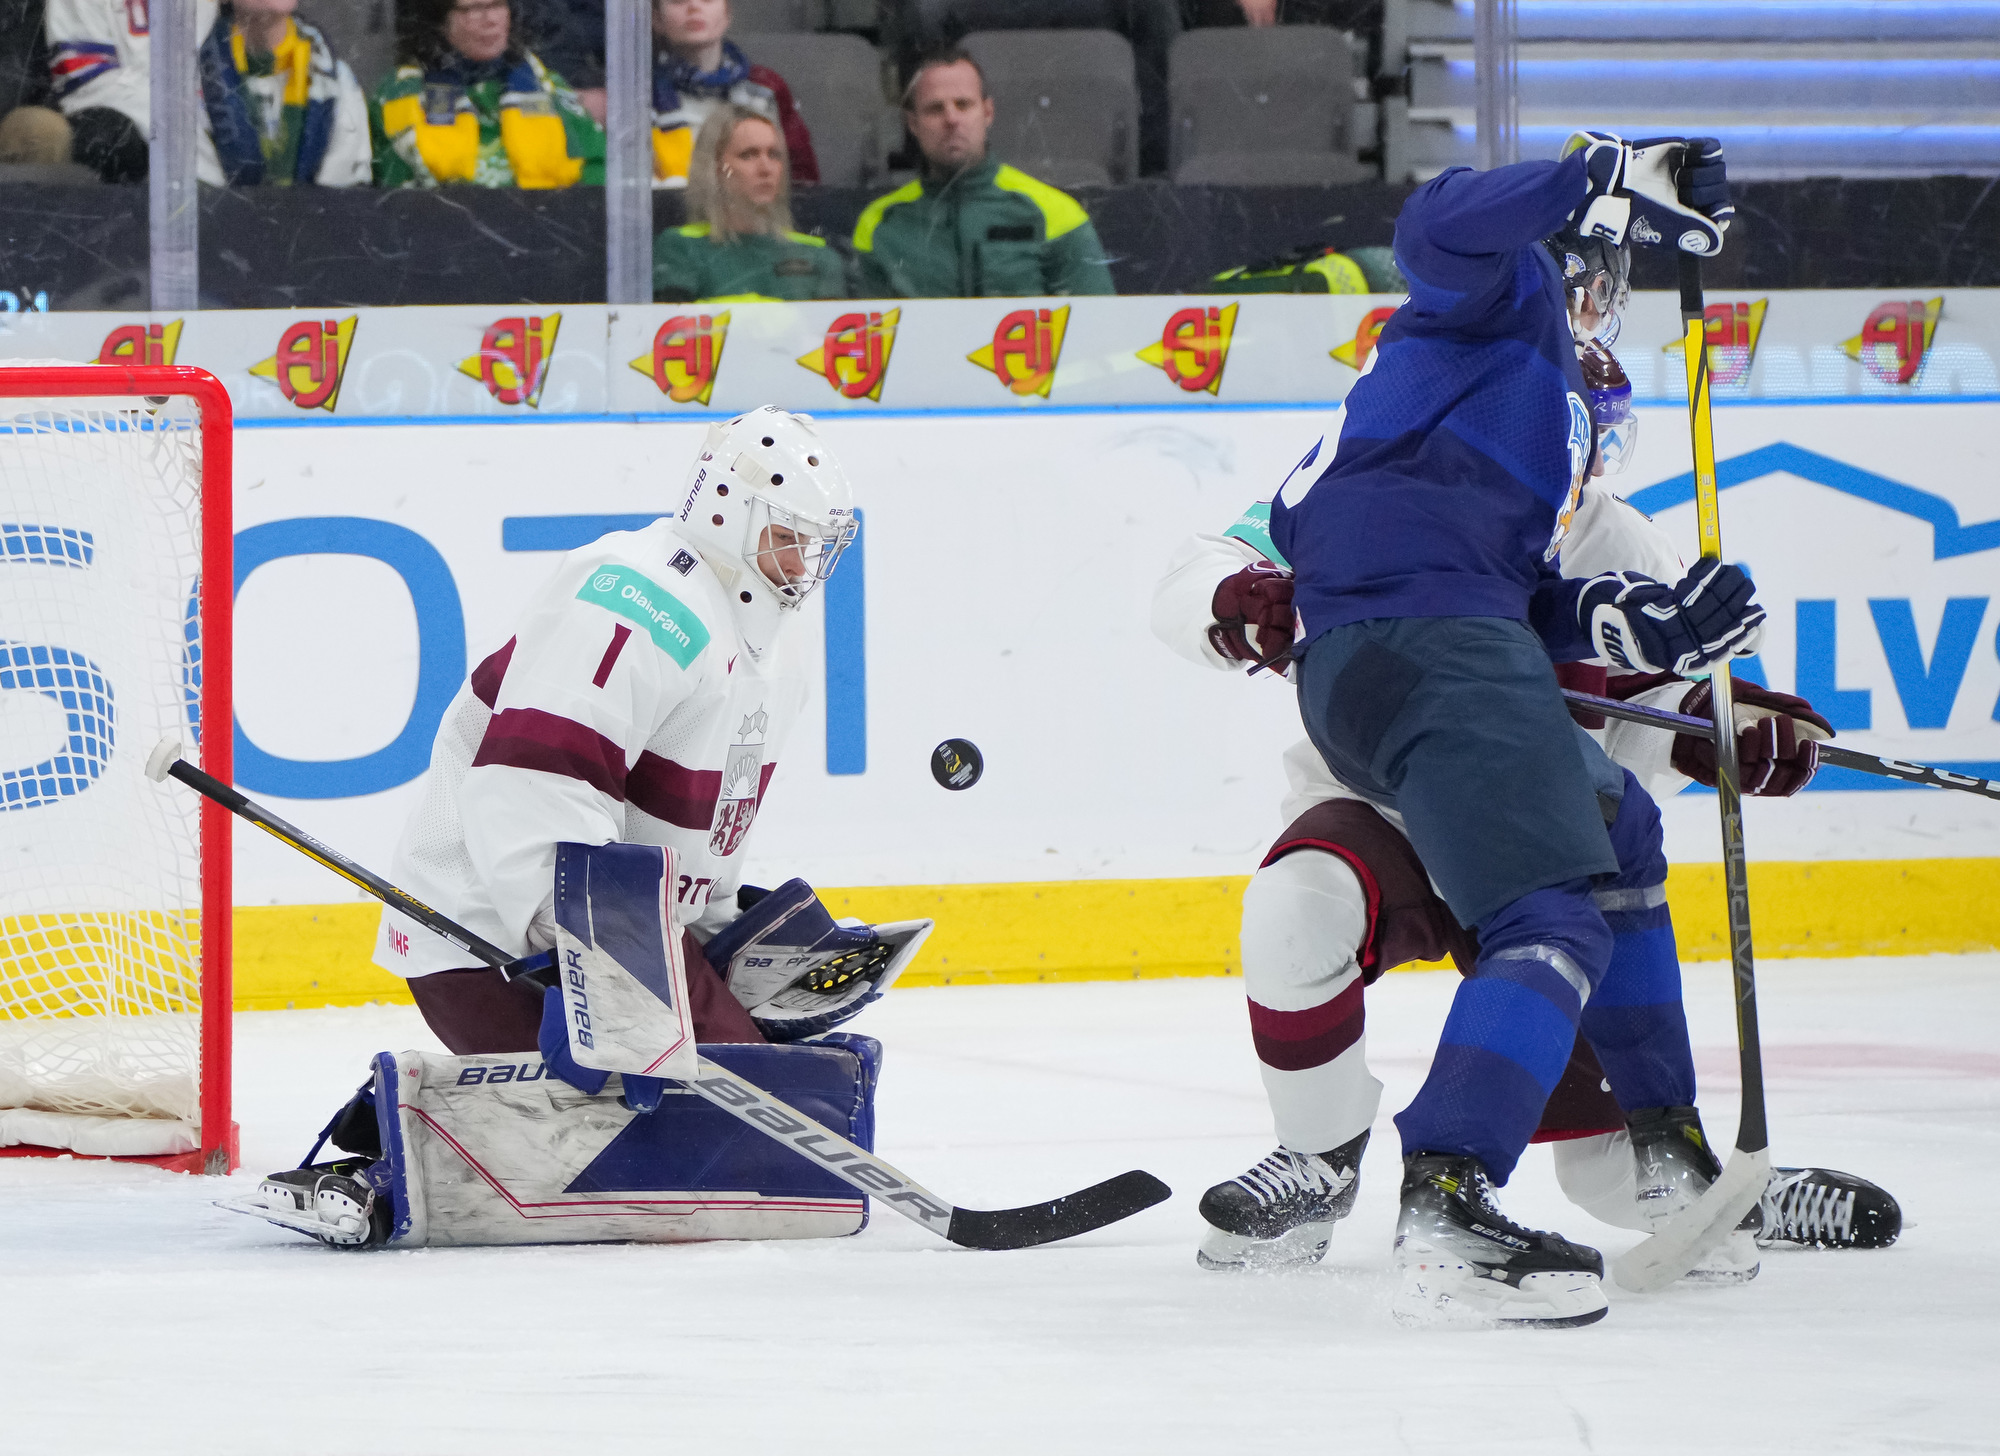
(1648, 626)
(1634, 190)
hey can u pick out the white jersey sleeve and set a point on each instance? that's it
(1184, 598)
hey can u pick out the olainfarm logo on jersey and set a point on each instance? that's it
(675, 629)
(1357, 351)
(1731, 331)
(1025, 349)
(513, 358)
(687, 353)
(853, 355)
(310, 362)
(141, 344)
(1193, 347)
(1896, 338)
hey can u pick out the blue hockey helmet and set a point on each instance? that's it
(1597, 272)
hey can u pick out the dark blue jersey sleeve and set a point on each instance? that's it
(1552, 613)
(1459, 232)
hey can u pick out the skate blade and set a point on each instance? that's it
(348, 1227)
(1298, 1248)
(1450, 1294)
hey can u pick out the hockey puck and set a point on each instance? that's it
(956, 764)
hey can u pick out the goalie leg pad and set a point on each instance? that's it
(494, 1150)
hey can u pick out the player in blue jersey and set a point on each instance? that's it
(1431, 613)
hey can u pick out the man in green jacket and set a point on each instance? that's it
(971, 227)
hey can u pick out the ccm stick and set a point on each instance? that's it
(1007, 1228)
(1679, 1245)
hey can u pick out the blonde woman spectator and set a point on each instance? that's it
(741, 244)
(696, 69)
(468, 103)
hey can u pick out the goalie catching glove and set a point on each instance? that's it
(1635, 190)
(798, 971)
(1647, 626)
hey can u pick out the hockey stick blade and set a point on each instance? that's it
(1656, 1262)
(1059, 1218)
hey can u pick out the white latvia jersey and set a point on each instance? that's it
(626, 709)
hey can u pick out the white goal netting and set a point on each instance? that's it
(100, 868)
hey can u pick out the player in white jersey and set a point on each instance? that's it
(1342, 897)
(644, 698)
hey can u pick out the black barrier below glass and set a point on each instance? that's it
(85, 247)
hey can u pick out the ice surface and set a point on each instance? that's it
(140, 1319)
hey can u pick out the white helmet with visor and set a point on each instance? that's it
(771, 511)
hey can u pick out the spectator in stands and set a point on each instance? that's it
(1150, 25)
(697, 68)
(466, 103)
(277, 106)
(280, 108)
(970, 227)
(741, 244)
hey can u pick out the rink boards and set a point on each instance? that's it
(1001, 595)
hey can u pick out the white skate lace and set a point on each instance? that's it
(1284, 1174)
(1798, 1210)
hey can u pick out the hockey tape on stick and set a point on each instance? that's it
(1007, 1228)
(1868, 763)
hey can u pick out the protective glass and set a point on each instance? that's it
(791, 548)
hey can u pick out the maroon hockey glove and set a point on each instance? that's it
(1256, 599)
(1776, 755)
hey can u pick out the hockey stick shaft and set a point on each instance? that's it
(1752, 1133)
(1833, 757)
(874, 1177)
(1678, 1246)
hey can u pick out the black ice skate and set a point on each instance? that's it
(1817, 1208)
(1675, 1167)
(1280, 1215)
(1464, 1262)
(333, 1202)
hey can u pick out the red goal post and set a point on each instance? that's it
(98, 956)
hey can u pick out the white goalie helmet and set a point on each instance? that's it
(770, 510)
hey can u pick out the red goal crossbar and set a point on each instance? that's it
(218, 1150)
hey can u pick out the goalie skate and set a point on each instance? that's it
(1280, 1214)
(1817, 1208)
(332, 1202)
(1675, 1167)
(1464, 1264)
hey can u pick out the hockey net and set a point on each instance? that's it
(115, 585)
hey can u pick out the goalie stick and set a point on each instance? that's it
(1685, 1238)
(1007, 1228)
(1868, 763)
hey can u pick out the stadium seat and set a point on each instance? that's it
(1264, 107)
(774, 17)
(1065, 103)
(837, 81)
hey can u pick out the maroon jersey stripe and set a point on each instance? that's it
(529, 738)
(1293, 1041)
(487, 677)
(666, 790)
